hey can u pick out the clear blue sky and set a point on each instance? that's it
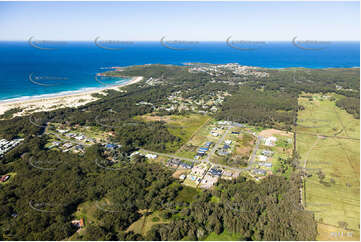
(180, 20)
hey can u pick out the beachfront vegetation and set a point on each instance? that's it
(171, 111)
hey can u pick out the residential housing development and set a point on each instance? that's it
(6, 146)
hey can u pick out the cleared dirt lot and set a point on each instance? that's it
(271, 132)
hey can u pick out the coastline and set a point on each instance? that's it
(48, 102)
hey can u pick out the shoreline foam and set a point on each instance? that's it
(48, 102)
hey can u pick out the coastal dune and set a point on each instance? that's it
(56, 101)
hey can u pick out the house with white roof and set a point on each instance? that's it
(151, 156)
(270, 141)
(228, 142)
(262, 158)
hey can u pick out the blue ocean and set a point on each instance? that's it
(27, 71)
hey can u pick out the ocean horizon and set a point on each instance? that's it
(41, 69)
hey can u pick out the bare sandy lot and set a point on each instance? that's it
(179, 172)
(271, 132)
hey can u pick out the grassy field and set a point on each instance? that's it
(328, 232)
(187, 194)
(145, 223)
(86, 211)
(334, 196)
(89, 131)
(185, 127)
(198, 138)
(182, 126)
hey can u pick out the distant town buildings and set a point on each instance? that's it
(234, 68)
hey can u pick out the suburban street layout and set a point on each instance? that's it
(206, 167)
(178, 156)
(176, 121)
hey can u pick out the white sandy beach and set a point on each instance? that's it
(56, 101)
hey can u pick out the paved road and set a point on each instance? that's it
(220, 141)
(168, 155)
(192, 160)
(194, 134)
(70, 141)
(254, 152)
